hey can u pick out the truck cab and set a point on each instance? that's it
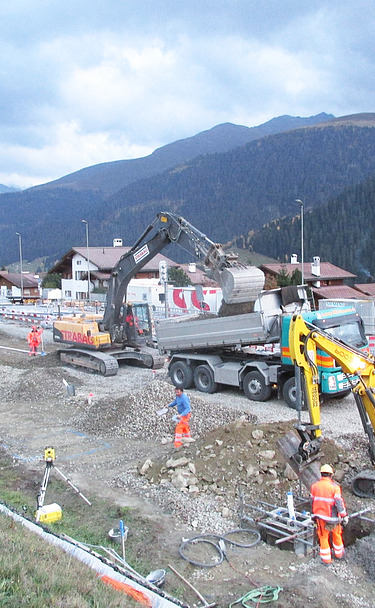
(348, 327)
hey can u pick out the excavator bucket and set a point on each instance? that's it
(240, 284)
(307, 471)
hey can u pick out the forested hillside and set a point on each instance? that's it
(225, 195)
(341, 231)
(111, 177)
(238, 192)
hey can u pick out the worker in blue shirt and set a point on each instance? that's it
(182, 431)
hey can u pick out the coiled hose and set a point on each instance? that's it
(217, 543)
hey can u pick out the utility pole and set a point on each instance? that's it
(88, 258)
(298, 200)
(20, 248)
(163, 277)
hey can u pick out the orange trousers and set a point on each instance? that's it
(324, 541)
(182, 430)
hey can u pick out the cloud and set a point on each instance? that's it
(69, 147)
(85, 83)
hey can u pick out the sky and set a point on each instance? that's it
(85, 82)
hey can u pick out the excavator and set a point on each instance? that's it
(305, 339)
(124, 332)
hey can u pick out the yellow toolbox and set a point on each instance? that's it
(49, 513)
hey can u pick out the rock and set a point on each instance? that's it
(257, 434)
(289, 473)
(193, 490)
(272, 473)
(267, 454)
(251, 471)
(180, 462)
(340, 474)
(145, 467)
(179, 481)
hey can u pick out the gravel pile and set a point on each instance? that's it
(134, 415)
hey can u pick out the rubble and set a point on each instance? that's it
(196, 489)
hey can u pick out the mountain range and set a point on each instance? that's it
(234, 183)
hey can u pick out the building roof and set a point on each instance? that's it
(337, 291)
(105, 258)
(328, 271)
(198, 276)
(366, 288)
(28, 280)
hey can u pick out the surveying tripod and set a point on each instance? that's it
(49, 459)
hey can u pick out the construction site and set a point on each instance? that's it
(110, 442)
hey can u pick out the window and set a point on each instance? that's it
(79, 274)
(68, 293)
(81, 295)
(79, 262)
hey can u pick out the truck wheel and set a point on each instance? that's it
(181, 374)
(290, 393)
(204, 379)
(255, 387)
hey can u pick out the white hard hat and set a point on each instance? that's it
(326, 468)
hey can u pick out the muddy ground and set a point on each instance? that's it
(110, 441)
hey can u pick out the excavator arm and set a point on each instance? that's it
(305, 339)
(239, 283)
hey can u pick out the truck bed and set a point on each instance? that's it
(198, 332)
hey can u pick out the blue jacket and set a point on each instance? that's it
(183, 404)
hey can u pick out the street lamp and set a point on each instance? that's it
(298, 200)
(20, 248)
(88, 258)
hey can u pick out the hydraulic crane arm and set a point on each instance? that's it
(304, 340)
(239, 283)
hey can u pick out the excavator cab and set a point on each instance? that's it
(135, 326)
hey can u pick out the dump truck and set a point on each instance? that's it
(124, 332)
(251, 351)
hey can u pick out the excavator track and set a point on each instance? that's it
(92, 360)
(363, 484)
(143, 357)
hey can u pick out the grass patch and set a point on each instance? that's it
(36, 574)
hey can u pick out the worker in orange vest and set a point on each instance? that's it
(34, 339)
(329, 512)
(182, 430)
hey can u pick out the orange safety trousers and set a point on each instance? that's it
(182, 430)
(324, 537)
(33, 346)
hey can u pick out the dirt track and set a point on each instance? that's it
(102, 440)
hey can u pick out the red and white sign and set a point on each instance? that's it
(187, 299)
(141, 253)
